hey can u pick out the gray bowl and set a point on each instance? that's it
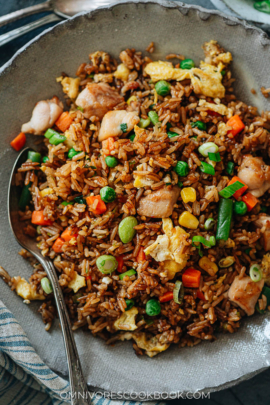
(29, 77)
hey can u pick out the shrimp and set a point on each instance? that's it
(115, 123)
(255, 174)
(44, 116)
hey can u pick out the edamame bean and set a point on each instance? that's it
(126, 229)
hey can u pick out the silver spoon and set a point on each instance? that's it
(61, 9)
(78, 386)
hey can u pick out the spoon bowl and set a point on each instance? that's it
(68, 8)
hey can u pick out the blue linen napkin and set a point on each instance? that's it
(24, 377)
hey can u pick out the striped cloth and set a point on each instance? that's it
(24, 378)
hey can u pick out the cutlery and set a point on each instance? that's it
(78, 386)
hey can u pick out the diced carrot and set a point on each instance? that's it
(168, 296)
(19, 142)
(88, 277)
(191, 278)
(237, 125)
(96, 205)
(69, 233)
(141, 255)
(38, 219)
(120, 261)
(200, 295)
(241, 191)
(58, 244)
(64, 121)
(250, 201)
(108, 146)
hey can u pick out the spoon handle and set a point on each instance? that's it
(78, 387)
(9, 36)
(16, 15)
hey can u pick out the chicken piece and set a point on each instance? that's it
(255, 174)
(159, 204)
(44, 116)
(117, 122)
(171, 247)
(97, 99)
(245, 293)
(264, 222)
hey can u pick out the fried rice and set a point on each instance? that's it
(180, 291)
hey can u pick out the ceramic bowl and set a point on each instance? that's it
(29, 77)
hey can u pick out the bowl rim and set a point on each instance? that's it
(204, 14)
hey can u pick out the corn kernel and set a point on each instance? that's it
(132, 98)
(46, 191)
(210, 267)
(188, 220)
(188, 194)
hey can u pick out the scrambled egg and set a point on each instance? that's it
(151, 345)
(222, 129)
(142, 181)
(172, 268)
(69, 142)
(219, 108)
(169, 247)
(213, 53)
(77, 282)
(127, 320)
(46, 191)
(71, 86)
(122, 72)
(266, 268)
(26, 291)
(206, 80)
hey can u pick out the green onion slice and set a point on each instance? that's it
(215, 157)
(226, 262)
(255, 273)
(46, 285)
(178, 292)
(127, 273)
(207, 168)
(229, 191)
(208, 147)
(209, 223)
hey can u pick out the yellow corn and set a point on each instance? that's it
(210, 267)
(46, 191)
(188, 194)
(188, 220)
(132, 98)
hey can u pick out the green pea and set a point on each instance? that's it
(240, 208)
(181, 168)
(46, 285)
(126, 229)
(187, 64)
(153, 307)
(45, 159)
(144, 123)
(106, 264)
(223, 72)
(199, 124)
(162, 88)
(72, 152)
(111, 161)
(107, 194)
(153, 117)
(130, 304)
